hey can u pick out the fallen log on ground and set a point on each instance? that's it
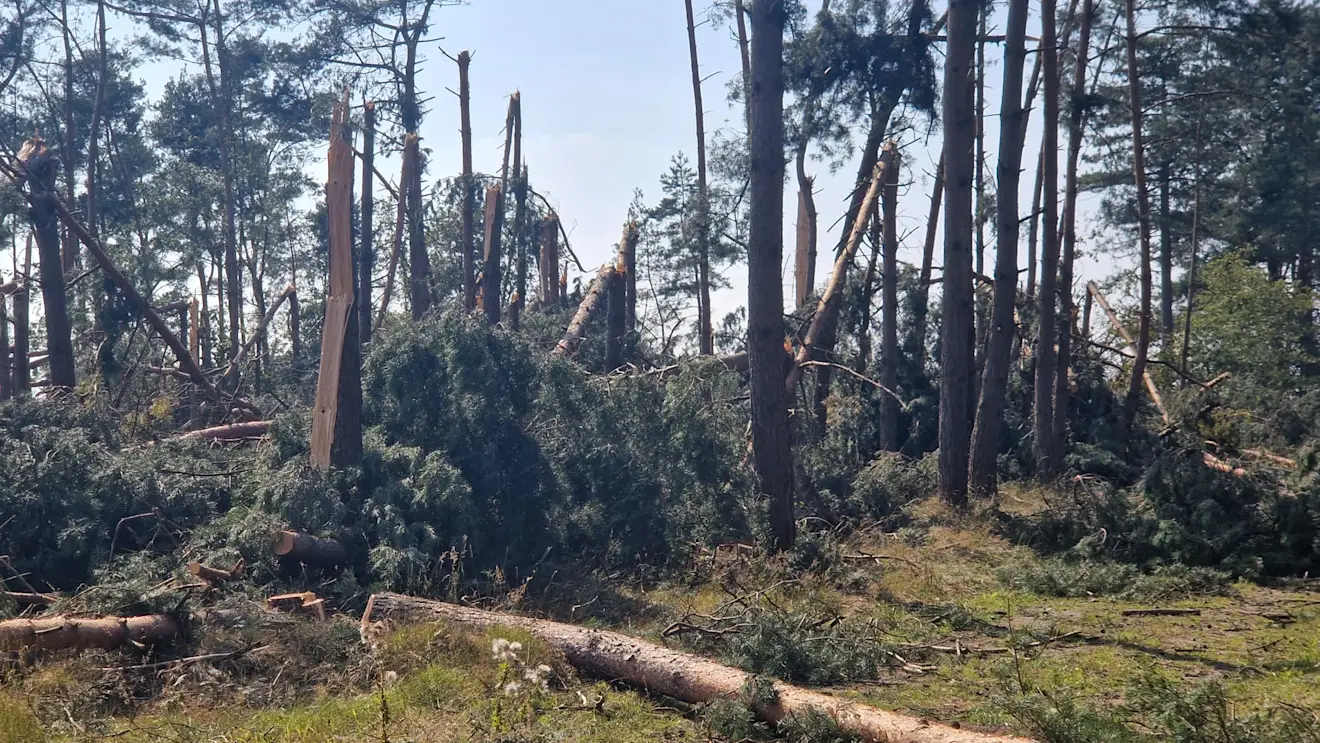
(30, 599)
(231, 432)
(680, 675)
(310, 550)
(216, 575)
(107, 633)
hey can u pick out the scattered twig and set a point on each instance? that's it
(180, 662)
(1161, 612)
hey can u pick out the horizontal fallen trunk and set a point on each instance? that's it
(680, 675)
(310, 550)
(108, 633)
(231, 432)
(1215, 463)
(216, 575)
(30, 599)
(737, 362)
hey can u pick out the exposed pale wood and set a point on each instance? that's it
(301, 603)
(1275, 458)
(690, 678)
(1131, 351)
(827, 309)
(108, 633)
(588, 309)
(30, 599)
(231, 432)
(492, 269)
(217, 575)
(305, 548)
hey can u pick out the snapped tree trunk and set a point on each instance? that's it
(804, 271)
(519, 246)
(616, 313)
(705, 328)
(889, 408)
(957, 334)
(367, 258)
(988, 431)
(40, 165)
(336, 439)
(490, 272)
(1076, 123)
(1047, 463)
(1143, 219)
(467, 237)
(921, 305)
(592, 303)
(772, 448)
(419, 261)
(690, 678)
(549, 262)
(1131, 350)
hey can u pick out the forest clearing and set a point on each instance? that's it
(303, 439)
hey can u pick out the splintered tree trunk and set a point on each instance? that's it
(705, 328)
(337, 415)
(41, 165)
(616, 316)
(419, 262)
(612, 655)
(889, 409)
(591, 305)
(826, 320)
(957, 333)
(519, 246)
(921, 306)
(772, 447)
(1143, 218)
(804, 270)
(67, 633)
(490, 272)
(549, 263)
(1047, 464)
(1062, 392)
(367, 258)
(627, 265)
(467, 238)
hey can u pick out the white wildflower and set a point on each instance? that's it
(512, 688)
(391, 677)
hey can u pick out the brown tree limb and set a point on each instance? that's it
(1136, 352)
(231, 373)
(107, 633)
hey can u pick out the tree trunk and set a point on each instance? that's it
(628, 265)
(336, 439)
(1047, 465)
(705, 328)
(873, 271)
(22, 320)
(1143, 218)
(419, 261)
(1130, 351)
(69, 246)
(98, 109)
(467, 238)
(957, 335)
(1076, 123)
(204, 323)
(825, 321)
(690, 678)
(367, 258)
(231, 432)
(396, 248)
(804, 272)
(772, 448)
(6, 377)
(744, 54)
(316, 551)
(982, 309)
(1191, 267)
(222, 99)
(921, 307)
(1166, 260)
(549, 263)
(493, 256)
(519, 246)
(988, 431)
(41, 165)
(67, 633)
(889, 409)
(616, 314)
(591, 305)
(232, 372)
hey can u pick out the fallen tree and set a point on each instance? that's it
(231, 432)
(310, 550)
(589, 308)
(107, 633)
(679, 675)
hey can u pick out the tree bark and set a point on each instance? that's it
(491, 270)
(336, 439)
(222, 100)
(804, 270)
(22, 325)
(744, 54)
(591, 305)
(889, 408)
(519, 246)
(616, 312)
(1076, 124)
(683, 676)
(705, 329)
(1047, 464)
(1191, 267)
(1166, 259)
(772, 448)
(921, 308)
(400, 219)
(467, 238)
(69, 246)
(988, 430)
(957, 335)
(419, 261)
(549, 262)
(309, 550)
(6, 376)
(67, 633)
(98, 110)
(1143, 218)
(367, 258)
(41, 165)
